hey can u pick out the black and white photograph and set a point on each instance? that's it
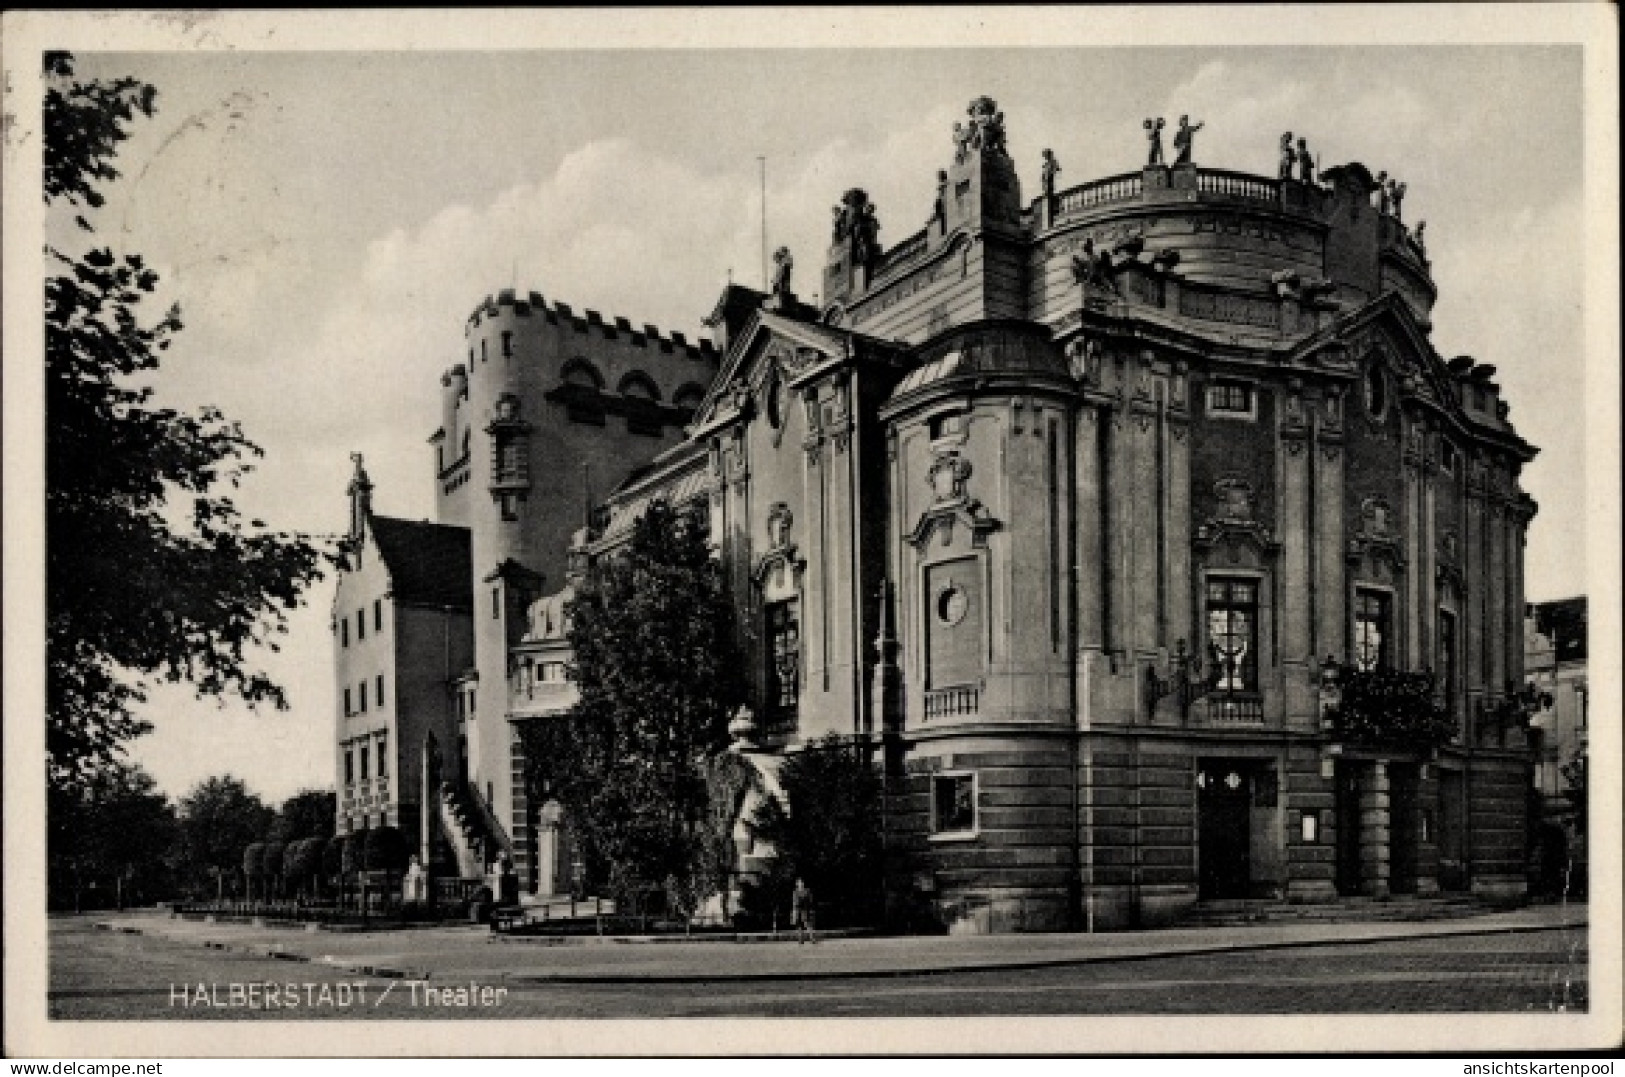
(816, 532)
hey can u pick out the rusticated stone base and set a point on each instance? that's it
(1501, 889)
(1004, 912)
(1112, 908)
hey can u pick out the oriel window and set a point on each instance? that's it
(783, 660)
(1232, 633)
(1373, 632)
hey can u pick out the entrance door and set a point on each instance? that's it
(1348, 827)
(1402, 825)
(1223, 803)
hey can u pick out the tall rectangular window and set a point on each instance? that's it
(360, 624)
(348, 710)
(365, 751)
(383, 755)
(1447, 657)
(349, 767)
(1373, 630)
(783, 660)
(363, 705)
(1232, 633)
(507, 343)
(496, 604)
(344, 632)
(377, 615)
(380, 685)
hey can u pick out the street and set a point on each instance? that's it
(104, 975)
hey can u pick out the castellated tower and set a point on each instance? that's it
(546, 410)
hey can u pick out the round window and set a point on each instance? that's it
(952, 603)
(1376, 391)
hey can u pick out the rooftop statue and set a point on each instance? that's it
(939, 208)
(1287, 157)
(1382, 193)
(1416, 236)
(1396, 194)
(1048, 172)
(782, 264)
(984, 132)
(1306, 162)
(1184, 140)
(1153, 132)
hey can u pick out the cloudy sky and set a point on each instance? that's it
(327, 220)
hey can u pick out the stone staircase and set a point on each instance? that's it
(1236, 913)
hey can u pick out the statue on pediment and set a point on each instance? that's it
(1185, 140)
(1153, 134)
(782, 264)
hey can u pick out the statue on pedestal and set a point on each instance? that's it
(1048, 172)
(782, 264)
(1396, 194)
(939, 209)
(1184, 140)
(1306, 162)
(1287, 157)
(1382, 193)
(1416, 236)
(1153, 133)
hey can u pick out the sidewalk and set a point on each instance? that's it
(472, 953)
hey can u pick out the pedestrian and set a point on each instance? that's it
(801, 912)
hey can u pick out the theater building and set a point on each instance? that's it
(1069, 505)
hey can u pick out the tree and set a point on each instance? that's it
(658, 671)
(309, 813)
(136, 588)
(1387, 708)
(217, 820)
(112, 837)
(828, 834)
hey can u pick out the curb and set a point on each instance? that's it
(1187, 950)
(1036, 963)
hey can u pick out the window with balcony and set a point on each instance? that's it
(1373, 630)
(953, 804)
(783, 661)
(1232, 634)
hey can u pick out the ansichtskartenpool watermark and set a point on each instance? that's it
(338, 995)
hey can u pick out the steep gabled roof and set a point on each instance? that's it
(429, 564)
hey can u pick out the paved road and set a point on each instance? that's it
(102, 975)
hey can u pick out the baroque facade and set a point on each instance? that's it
(1072, 507)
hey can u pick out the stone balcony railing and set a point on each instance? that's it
(1097, 193)
(955, 702)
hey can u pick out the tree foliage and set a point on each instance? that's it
(218, 819)
(1391, 709)
(656, 664)
(111, 840)
(131, 593)
(828, 833)
(309, 813)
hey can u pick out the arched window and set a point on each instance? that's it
(580, 372)
(639, 386)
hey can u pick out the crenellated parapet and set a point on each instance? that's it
(509, 303)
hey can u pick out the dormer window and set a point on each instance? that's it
(948, 426)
